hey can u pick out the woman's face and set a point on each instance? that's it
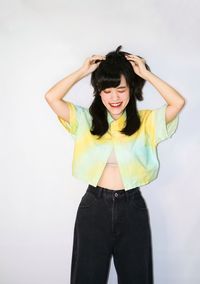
(119, 94)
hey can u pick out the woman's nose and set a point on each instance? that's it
(114, 95)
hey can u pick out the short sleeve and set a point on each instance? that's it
(157, 126)
(74, 118)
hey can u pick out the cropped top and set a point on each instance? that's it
(136, 154)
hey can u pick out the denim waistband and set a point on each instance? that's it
(112, 193)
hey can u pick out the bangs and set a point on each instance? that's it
(109, 73)
(106, 80)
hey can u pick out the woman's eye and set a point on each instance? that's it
(107, 92)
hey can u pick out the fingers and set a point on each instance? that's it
(98, 56)
(96, 59)
(134, 57)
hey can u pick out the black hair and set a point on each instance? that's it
(107, 75)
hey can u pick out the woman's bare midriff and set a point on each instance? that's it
(111, 177)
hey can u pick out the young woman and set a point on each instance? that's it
(114, 153)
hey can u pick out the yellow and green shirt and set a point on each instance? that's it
(136, 154)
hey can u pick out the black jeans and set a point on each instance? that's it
(112, 223)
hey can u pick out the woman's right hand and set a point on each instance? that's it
(89, 64)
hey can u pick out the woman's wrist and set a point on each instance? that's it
(81, 73)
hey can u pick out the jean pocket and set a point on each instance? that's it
(87, 200)
(138, 202)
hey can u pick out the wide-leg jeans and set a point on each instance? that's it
(112, 223)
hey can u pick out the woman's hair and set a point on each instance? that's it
(107, 75)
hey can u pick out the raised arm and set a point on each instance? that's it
(175, 101)
(55, 94)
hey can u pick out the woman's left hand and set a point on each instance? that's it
(138, 65)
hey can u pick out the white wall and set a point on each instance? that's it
(43, 41)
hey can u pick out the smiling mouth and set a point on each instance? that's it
(116, 104)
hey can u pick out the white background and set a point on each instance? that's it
(43, 41)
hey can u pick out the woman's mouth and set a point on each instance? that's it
(115, 105)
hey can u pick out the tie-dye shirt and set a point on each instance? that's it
(136, 154)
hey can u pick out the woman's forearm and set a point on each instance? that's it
(59, 90)
(169, 94)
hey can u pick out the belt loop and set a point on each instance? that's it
(126, 195)
(99, 192)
